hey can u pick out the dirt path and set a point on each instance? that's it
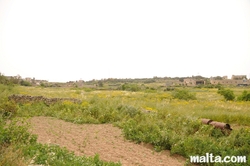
(104, 139)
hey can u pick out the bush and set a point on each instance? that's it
(54, 155)
(25, 83)
(227, 94)
(8, 109)
(245, 96)
(183, 95)
(14, 135)
(219, 86)
(130, 87)
(128, 110)
(169, 89)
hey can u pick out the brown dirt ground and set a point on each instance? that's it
(103, 139)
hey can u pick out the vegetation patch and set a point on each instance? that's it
(174, 121)
(227, 93)
(183, 95)
(245, 96)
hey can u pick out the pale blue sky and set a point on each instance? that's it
(63, 40)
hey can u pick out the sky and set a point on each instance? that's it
(69, 40)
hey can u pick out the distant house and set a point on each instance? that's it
(236, 80)
(194, 82)
(239, 77)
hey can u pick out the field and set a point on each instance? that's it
(146, 126)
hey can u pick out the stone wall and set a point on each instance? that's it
(47, 101)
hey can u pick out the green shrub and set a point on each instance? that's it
(242, 138)
(16, 132)
(226, 93)
(128, 110)
(245, 96)
(183, 95)
(54, 155)
(169, 89)
(25, 83)
(219, 86)
(13, 136)
(8, 109)
(130, 87)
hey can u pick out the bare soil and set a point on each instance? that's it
(103, 139)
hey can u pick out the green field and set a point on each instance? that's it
(151, 115)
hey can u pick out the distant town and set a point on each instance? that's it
(235, 80)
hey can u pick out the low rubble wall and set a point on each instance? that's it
(47, 101)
